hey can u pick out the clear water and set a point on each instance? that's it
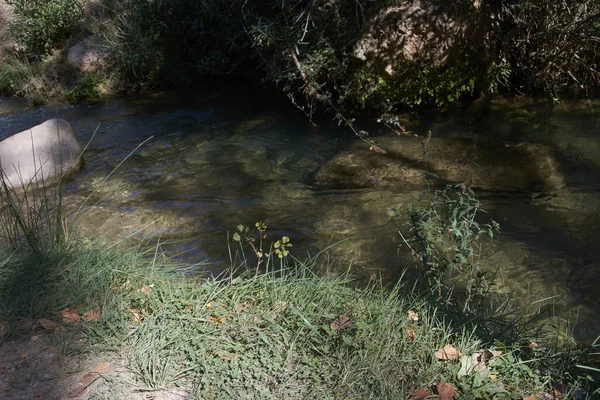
(212, 160)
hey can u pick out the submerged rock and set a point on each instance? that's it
(485, 165)
(42, 153)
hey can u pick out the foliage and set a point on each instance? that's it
(85, 88)
(447, 235)
(550, 44)
(42, 24)
(280, 248)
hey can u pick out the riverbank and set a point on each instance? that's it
(358, 58)
(120, 323)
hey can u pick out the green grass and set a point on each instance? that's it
(265, 335)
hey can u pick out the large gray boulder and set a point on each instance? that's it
(43, 153)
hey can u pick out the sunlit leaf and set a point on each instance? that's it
(236, 237)
(448, 352)
(90, 315)
(412, 316)
(70, 315)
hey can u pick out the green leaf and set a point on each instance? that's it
(240, 227)
(237, 237)
(285, 239)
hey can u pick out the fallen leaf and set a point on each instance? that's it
(493, 377)
(411, 335)
(88, 378)
(90, 315)
(533, 345)
(217, 320)
(24, 324)
(340, 322)
(135, 314)
(227, 356)
(420, 394)
(532, 397)
(146, 289)
(239, 307)
(449, 352)
(48, 325)
(445, 391)
(412, 316)
(70, 315)
(102, 367)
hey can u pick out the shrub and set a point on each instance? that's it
(42, 24)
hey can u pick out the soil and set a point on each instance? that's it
(36, 364)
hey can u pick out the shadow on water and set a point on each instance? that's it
(225, 157)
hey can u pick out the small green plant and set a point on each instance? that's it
(85, 88)
(447, 235)
(42, 24)
(281, 247)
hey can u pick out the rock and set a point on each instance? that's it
(88, 55)
(485, 165)
(43, 153)
(418, 29)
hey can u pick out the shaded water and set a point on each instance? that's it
(213, 160)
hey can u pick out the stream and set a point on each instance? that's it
(183, 170)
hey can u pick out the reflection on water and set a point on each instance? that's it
(213, 160)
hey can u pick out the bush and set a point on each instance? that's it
(42, 24)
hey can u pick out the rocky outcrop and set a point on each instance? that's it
(41, 154)
(485, 165)
(88, 55)
(431, 30)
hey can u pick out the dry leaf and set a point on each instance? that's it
(70, 315)
(412, 316)
(445, 391)
(48, 325)
(449, 352)
(135, 314)
(227, 356)
(88, 378)
(340, 322)
(90, 315)
(493, 377)
(24, 324)
(239, 307)
(420, 394)
(217, 320)
(411, 335)
(102, 367)
(533, 345)
(146, 289)
(532, 397)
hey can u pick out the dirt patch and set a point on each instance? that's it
(35, 364)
